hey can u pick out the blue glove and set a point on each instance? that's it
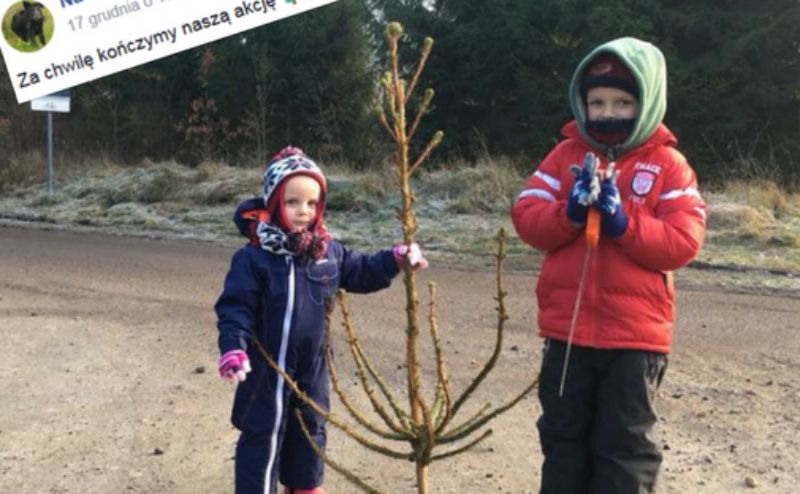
(584, 191)
(613, 221)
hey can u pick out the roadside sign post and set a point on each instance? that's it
(56, 102)
(49, 153)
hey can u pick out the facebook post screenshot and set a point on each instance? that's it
(51, 45)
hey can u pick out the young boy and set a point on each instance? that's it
(275, 292)
(597, 407)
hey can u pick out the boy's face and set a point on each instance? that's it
(610, 103)
(300, 199)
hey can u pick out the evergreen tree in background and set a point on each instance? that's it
(135, 111)
(500, 71)
(735, 85)
(734, 74)
(303, 81)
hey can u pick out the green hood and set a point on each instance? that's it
(646, 63)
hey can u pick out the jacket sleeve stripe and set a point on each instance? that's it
(551, 181)
(675, 194)
(701, 212)
(539, 193)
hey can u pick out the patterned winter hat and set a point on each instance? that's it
(288, 162)
(606, 70)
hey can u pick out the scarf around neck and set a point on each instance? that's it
(306, 243)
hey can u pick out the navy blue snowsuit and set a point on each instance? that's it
(281, 301)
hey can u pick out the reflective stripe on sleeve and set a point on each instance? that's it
(701, 212)
(678, 193)
(540, 193)
(551, 181)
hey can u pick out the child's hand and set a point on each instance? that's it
(234, 365)
(585, 190)
(414, 255)
(614, 221)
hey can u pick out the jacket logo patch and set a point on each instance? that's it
(643, 182)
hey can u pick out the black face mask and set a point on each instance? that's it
(610, 132)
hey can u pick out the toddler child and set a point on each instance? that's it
(275, 292)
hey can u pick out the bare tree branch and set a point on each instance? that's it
(352, 477)
(458, 451)
(324, 413)
(362, 362)
(346, 401)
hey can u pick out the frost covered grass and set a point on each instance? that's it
(753, 224)
(459, 208)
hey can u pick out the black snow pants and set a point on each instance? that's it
(595, 438)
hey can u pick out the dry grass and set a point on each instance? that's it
(741, 217)
(460, 207)
(755, 224)
(489, 186)
(351, 191)
(763, 195)
(22, 169)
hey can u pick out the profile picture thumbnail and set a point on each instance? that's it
(28, 26)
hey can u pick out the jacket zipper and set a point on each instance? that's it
(287, 326)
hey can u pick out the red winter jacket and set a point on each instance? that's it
(629, 298)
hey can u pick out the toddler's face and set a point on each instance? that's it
(300, 199)
(610, 103)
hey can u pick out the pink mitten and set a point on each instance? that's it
(414, 255)
(234, 365)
